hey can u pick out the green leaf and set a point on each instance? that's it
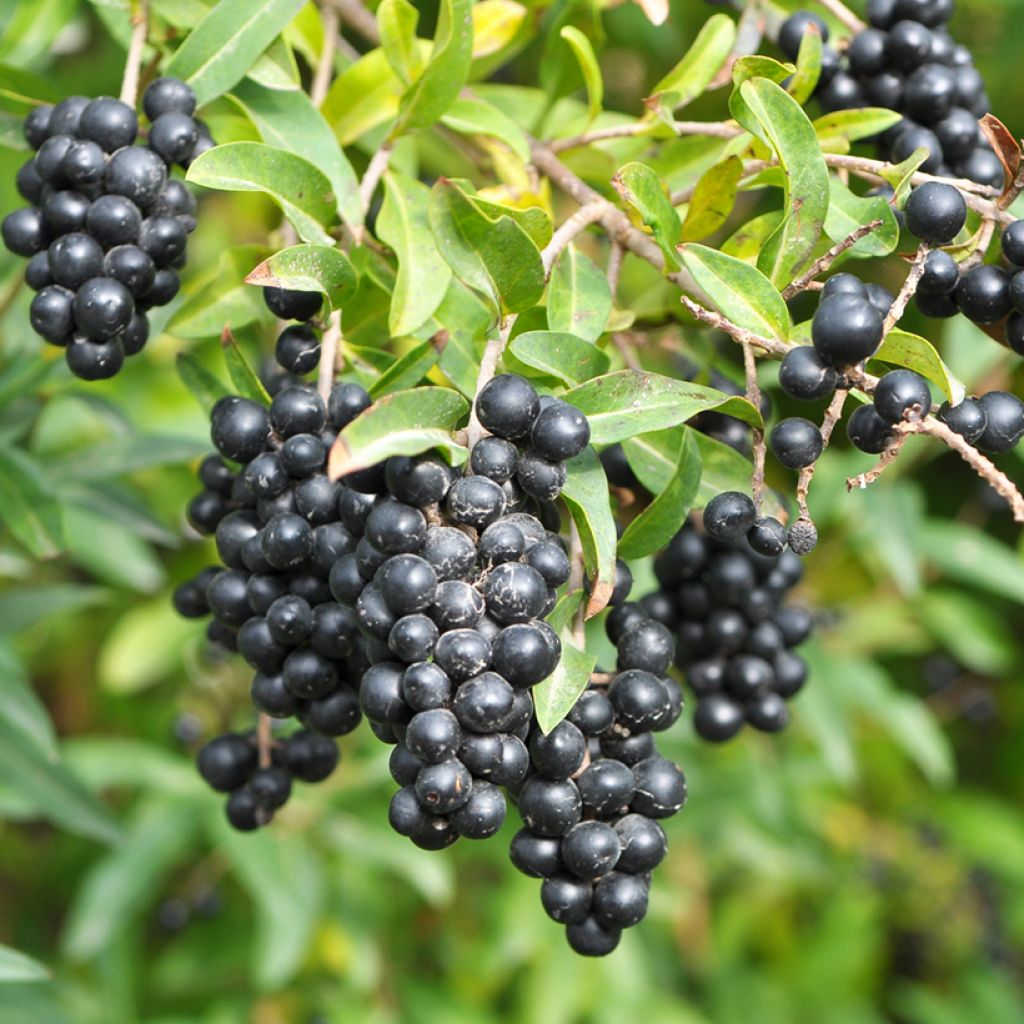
(579, 297)
(308, 268)
(586, 495)
(472, 116)
(53, 791)
(20, 705)
(125, 454)
(405, 423)
(899, 175)
(847, 212)
(964, 625)
(646, 193)
(28, 506)
(430, 96)
(918, 354)
(739, 290)
(808, 68)
(713, 199)
(494, 255)
(627, 403)
(203, 385)
(101, 546)
(289, 121)
(409, 370)
(554, 698)
(126, 883)
(587, 60)
(404, 224)
(397, 21)
(533, 220)
(26, 89)
(725, 469)
(779, 121)
(276, 68)
(28, 606)
(17, 967)
(853, 125)
(972, 558)
(661, 520)
(247, 383)
(363, 97)
(572, 360)
(301, 190)
(693, 74)
(226, 43)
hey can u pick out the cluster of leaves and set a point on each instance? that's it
(838, 841)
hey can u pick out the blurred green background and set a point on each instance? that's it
(867, 866)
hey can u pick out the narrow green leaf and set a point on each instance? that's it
(725, 469)
(808, 68)
(493, 254)
(363, 97)
(661, 520)
(587, 60)
(971, 557)
(627, 403)
(203, 385)
(243, 376)
(472, 116)
(397, 21)
(53, 791)
(779, 121)
(554, 698)
(308, 268)
(301, 190)
(288, 120)
(125, 454)
(899, 175)
(692, 75)
(124, 884)
(405, 423)
(564, 356)
(739, 290)
(644, 190)
(25, 607)
(853, 125)
(579, 298)
(920, 355)
(18, 967)
(28, 506)
(407, 371)
(586, 495)
(226, 43)
(713, 199)
(276, 68)
(404, 225)
(20, 705)
(25, 88)
(427, 99)
(847, 212)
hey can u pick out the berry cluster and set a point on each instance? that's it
(107, 229)
(906, 61)
(734, 635)
(281, 526)
(597, 788)
(450, 584)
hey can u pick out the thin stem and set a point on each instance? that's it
(621, 341)
(264, 740)
(329, 356)
(824, 262)
(140, 28)
(374, 172)
(737, 333)
(488, 367)
(900, 303)
(362, 20)
(833, 414)
(843, 14)
(615, 257)
(886, 459)
(711, 129)
(586, 215)
(325, 65)
(754, 398)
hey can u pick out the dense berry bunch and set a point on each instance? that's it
(106, 231)
(450, 583)
(280, 527)
(597, 788)
(906, 61)
(734, 634)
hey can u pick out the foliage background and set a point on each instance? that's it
(868, 866)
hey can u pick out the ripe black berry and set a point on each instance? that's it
(94, 360)
(130, 265)
(167, 95)
(796, 442)
(514, 592)
(113, 220)
(310, 757)
(560, 432)
(25, 231)
(941, 273)
(935, 212)
(173, 136)
(868, 431)
(239, 428)
(289, 304)
(565, 899)
(767, 537)
(507, 406)
(805, 376)
(164, 238)
(968, 419)
(728, 516)
(846, 330)
(227, 762)
(345, 403)
(1004, 415)
(297, 410)
(983, 294)
(791, 32)
(902, 393)
(37, 125)
(103, 307)
(137, 173)
(1012, 241)
(51, 314)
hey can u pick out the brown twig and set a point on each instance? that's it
(586, 215)
(325, 65)
(264, 740)
(885, 460)
(824, 262)
(737, 333)
(140, 29)
(913, 279)
(843, 14)
(329, 356)
(374, 172)
(833, 414)
(353, 13)
(488, 366)
(615, 257)
(712, 129)
(754, 398)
